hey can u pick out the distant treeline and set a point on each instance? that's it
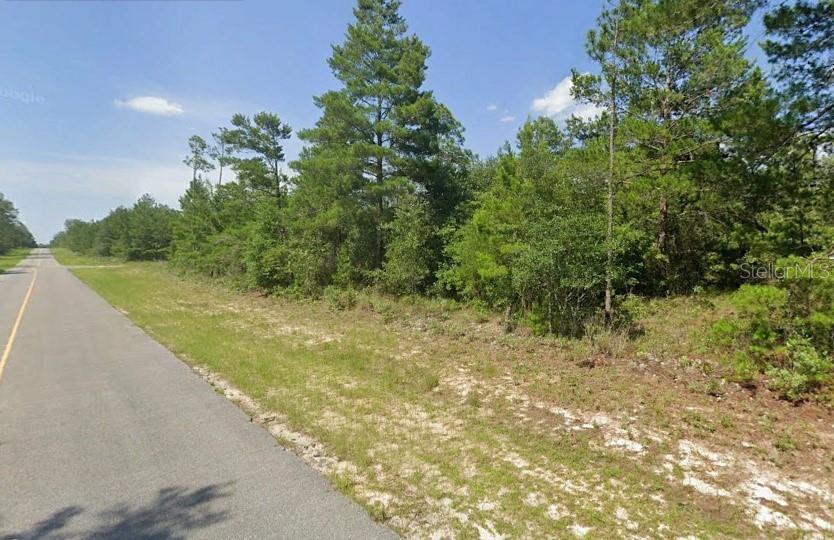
(697, 164)
(13, 233)
(139, 233)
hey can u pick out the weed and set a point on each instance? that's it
(785, 443)
(340, 299)
(716, 387)
(429, 382)
(700, 422)
(744, 369)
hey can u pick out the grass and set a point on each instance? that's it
(13, 258)
(70, 258)
(443, 423)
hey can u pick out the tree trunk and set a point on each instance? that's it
(380, 179)
(663, 234)
(276, 173)
(609, 234)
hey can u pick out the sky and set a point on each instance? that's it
(98, 99)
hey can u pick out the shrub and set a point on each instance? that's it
(408, 256)
(820, 328)
(786, 332)
(716, 387)
(745, 369)
(266, 264)
(805, 370)
(762, 315)
(340, 299)
(628, 312)
(724, 333)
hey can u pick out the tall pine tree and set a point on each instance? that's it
(380, 136)
(672, 72)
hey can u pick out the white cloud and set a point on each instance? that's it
(586, 111)
(151, 105)
(507, 119)
(556, 100)
(492, 107)
(558, 103)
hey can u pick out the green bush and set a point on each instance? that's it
(820, 327)
(784, 331)
(805, 370)
(340, 299)
(724, 333)
(745, 369)
(408, 256)
(762, 315)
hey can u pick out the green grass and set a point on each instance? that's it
(70, 258)
(13, 258)
(426, 403)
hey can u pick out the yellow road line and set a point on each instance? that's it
(7, 351)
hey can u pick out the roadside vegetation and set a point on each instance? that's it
(697, 172)
(441, 423)
(73, 259)
(141, 232)
(641, 298)
(15, 239)
(12, 258)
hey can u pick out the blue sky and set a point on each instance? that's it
(98, 99)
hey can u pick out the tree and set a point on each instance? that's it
(150, 230)
(380, 136)
(13, 233)
(604, 46)
(408, 259)
(260, 141)
(671, 72)
(197, 158)
(534, 245)
(219, 151)
(484, 248)
(801, 47)
(112, 235)
(194, 227)
(78, 235)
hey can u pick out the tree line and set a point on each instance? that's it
(142, 232)
(13, 233)
(698, 164)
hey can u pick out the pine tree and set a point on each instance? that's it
(259, 145)
(380, 136)
(801, 46)
(194, 227)
(671, 72)
(197, 158)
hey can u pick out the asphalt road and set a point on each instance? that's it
(105, 434)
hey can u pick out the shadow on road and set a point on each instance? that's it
(171, 515)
